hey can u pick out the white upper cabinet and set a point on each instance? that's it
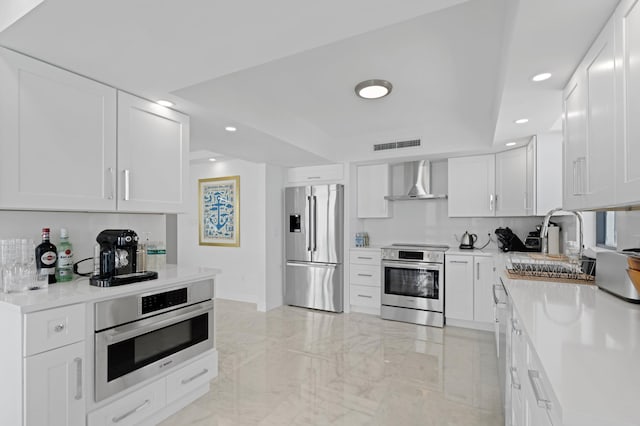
(153, 149)
(600, 82)
(575, 141)
(58, 133)
(627, 67)
(311, 175)
(511, 183)
(548, 172)
(472, 186)
(373, 185)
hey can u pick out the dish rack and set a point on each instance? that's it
(552, 268)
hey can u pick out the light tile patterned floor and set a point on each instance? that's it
(293, 366)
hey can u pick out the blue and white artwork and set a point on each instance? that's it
(219, 211)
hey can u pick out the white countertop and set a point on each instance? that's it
(79, 290)
(589, 345)
(473, 252)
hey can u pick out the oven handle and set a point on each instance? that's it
(125, 332)
(413, 265)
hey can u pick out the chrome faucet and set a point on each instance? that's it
(545, 228)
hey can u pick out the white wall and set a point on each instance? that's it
(83, 227)
(245, 274)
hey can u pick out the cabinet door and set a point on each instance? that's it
(483, 289)
(575, 142)
(472, 186)
(511, 182)
(54, 387)
(311, 175)
(458, 288)
(548, 172)
(58, 133)
(153, 150)
(530, 195)
(627, 20)
(601, 134)
(373, 186)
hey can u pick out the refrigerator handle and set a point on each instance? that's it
(308, 231)
(315, 224)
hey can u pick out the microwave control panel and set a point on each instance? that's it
(160, 301)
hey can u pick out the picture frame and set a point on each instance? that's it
(219, 211)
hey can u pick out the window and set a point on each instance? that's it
(606, 229)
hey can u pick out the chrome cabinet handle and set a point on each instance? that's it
(314, 177)
(59, 327)
(191, 379)
(366, 296)
(496, 299)
(365, 275)
(78, 362)
(514, 328)
(477, 271)
(118, 419)
(514, 375)
(365, 258)
(490, 202)
(538, 391)
(458, 261)
(308, 222)
(126, 175)
(113, 183)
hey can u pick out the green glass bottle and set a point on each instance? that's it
(64, 267)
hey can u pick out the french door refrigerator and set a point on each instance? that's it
(314, 247)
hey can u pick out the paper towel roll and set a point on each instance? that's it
(553, 240)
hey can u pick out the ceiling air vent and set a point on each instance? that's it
(396, 145)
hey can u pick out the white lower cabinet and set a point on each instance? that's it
(365, 280)
(191, 377)
(132, 409)
(55, 387)
(468, 290)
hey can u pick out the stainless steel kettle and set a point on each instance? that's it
(468, 240)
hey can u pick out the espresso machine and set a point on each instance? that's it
(116, 261)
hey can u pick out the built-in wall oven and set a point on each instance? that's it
(139, 336)
(413, 283)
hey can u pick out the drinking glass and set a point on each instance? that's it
(8, 265)
(28, 270)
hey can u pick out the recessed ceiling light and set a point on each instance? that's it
(522, 121)
(373, 89)
(212, 159)
(230, 129)
(510, 144)
(541, 77)
(165, 103)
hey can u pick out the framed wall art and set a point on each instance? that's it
(219, 221)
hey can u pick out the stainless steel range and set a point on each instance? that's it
(413, 283)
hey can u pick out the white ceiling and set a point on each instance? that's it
(283, 71)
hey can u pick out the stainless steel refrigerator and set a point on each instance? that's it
(314, 234)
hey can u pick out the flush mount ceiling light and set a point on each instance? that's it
(373, 89)
(230, 129)
(510, 144)
(212, 159)
(522, 121)
(541, 77)
(165, 103)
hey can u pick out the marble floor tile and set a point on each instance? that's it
(293, 366)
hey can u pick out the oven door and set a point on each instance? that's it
(413, 285)
(129, 354)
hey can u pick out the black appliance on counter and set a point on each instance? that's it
(117, 259)
(508, 241)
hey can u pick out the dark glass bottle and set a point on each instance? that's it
(46, 256)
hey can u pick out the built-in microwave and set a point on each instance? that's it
(140, 336)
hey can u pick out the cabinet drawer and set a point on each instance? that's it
(537, 381)
(365, 296)
(365, 257)
(191, 377)
(365, 275)
(132, 408)
(53, 328)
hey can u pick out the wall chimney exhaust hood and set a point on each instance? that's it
(417, 177)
